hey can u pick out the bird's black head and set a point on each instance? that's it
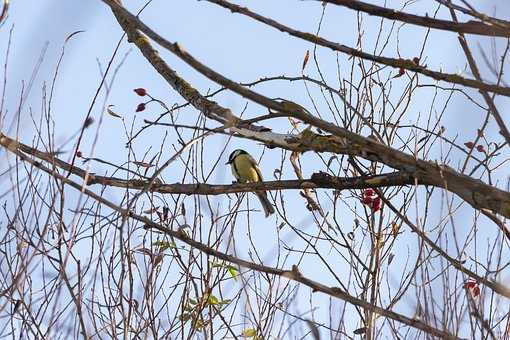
(234, 154)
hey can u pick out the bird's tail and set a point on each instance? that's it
(266, 205)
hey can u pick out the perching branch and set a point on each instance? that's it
(319, 180)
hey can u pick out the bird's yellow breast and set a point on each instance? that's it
(246, 170)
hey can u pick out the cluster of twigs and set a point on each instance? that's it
(122, 253)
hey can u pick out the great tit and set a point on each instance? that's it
(245, 169)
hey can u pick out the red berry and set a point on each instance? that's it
(78, 154)
(480, 148)
(469, 284)
(366, 200)
(376, 204)
(369, 192)
(140, 91)
(140, 107)
(473, 287)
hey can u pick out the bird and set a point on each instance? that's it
(246, 170)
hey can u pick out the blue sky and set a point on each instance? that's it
(242, 50)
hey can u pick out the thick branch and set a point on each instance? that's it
(480, 16)
(398, 63)
(470, 27)
(25, 152)
(318, 180)
(342, 141)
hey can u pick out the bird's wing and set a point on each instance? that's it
(256, 166)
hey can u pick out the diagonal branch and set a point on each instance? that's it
(470, 27)
(481, 16)
(503, 130)
(398, 63)
(341, 140)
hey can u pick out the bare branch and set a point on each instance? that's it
(292, 274)
(470, 27)
(342, 141)
(397, 63)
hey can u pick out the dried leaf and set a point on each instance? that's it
(166, 210)
(145, 251)
(294, 122)
(21, 245)
(390, 258)
(313, 328)
(469, 145)
(111, 113)
(157, 259)
(143, 164)
(150, 211)
(361, 330)
(305, 60)
(395, 227)
(88, 122)
(185, 317)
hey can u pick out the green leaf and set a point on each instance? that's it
(215, 264)
(249, 333)
(212, 300)
(164, 245)
(192, 301)
(233, 271)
